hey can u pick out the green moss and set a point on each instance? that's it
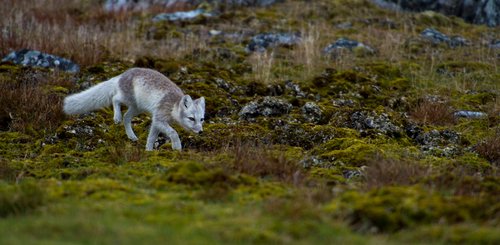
(431, 18)
(19, 199)
(346, 151)
(15, 144)
(453, 234)
(195, 174)
(331, 176)
(454, 67)
(394, 208)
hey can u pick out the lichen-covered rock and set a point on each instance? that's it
(436, 142)
(470, 114)
(364, 120)
(28, 57)
(347, 44)
(263, 41)
(311, 112)
(478, 12)
(267, 107)
(182, 15)
(294, 89)
(437, 37)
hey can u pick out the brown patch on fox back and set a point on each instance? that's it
(151, 80)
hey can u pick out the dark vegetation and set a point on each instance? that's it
(353, 147)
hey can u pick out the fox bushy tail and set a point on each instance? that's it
(94, 98)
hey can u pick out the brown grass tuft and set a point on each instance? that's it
(435, 113)
(124, 153)
(490, 148)
(6, 172)
(32, 102)
(391, 172)
(258, 161)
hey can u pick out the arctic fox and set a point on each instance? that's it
(143, 90)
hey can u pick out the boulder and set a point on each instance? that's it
(485, 12)
(33, 58)
(269, 106)
(437, 37)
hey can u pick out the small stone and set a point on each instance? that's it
(363, 120)
(343, 44)
(294, 89)
(470, 114)
(182, 15)
(263, 41)
(311, 112)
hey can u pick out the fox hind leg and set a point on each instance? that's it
(127, 122)
(117, 109)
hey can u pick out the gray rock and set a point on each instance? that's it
(33, 58)
(363, 120)
(435, 142)
(344, 25)
(269, 106)
(344, 43)
(437, 37)
(470, 114)
(294, 89)
(263, 41)
(311, 112)
(344, 102)
(182, 15)
(495, 44)
(119, 5)
(475, 11)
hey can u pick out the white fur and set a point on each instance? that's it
(93, 98)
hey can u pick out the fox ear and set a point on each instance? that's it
(186, 101)
(200, 102)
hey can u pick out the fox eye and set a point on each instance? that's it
(202, 119)
(191, 118)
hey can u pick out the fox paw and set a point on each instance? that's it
(177, 146)
(133, 138)
(117, 120)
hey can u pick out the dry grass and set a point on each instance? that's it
(256, 160)
(490, 148)
(32, 103)
(6, 172)
(430, 112)
(81, 31)
(125, 152)
(262, 65)
(391, 172)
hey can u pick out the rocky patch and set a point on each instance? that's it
(34, 58)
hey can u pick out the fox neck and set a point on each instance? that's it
(176, 112)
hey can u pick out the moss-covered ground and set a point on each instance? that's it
(384, 161)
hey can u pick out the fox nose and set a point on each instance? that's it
(201, 131)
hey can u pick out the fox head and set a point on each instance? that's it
(192, 113)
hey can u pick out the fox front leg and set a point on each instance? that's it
(168, 130)
(153, 135)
